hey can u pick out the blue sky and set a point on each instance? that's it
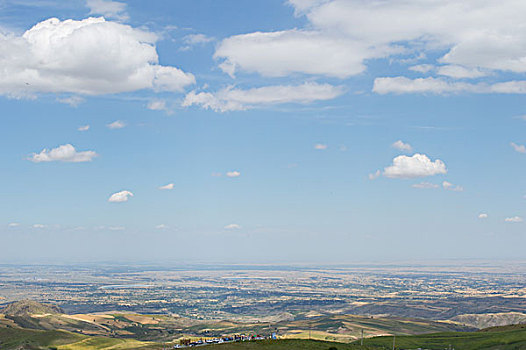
(262, 131)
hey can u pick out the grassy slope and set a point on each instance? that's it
(514, 339)
(13, 338)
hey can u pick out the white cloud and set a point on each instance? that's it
(401, 146)
(13, 224)
(216, 174)
(403, 85)
(278, 54)
(116, 228)
(460, 72)
(422, 68)
(232, 99)
(169, 186)
(424, 185)
(64, 153)
(108, 8)
(73, 101)
(157, 105)
(451, 187)
(483, 216)
(192, 40)
(518, 148)
(38, 226)
(86, 57)
(320, 146)
(161, 227)
(118, 124)
(233, 173)
(374, 175)
(513, 219)
(232, 227)
(83, 128)
(418, 165)
(343, 34)
(121, 196)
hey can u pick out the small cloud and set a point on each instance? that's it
(169, 186)
(320, 146)
(374, 175)
(118, 124)
(232, 227)
(233, 173)
(73, 101)
(194, 40)
(121, 196)
(83, 128)
(483, 216)
(513, 219)
(418, 165)
(108, 8)
(161, 227)
(116, 228)
(424, 185)
(422, 68)
(64, 153)
(158, 105)
(38, 226)
(401, 146)
(216, 174)
(518, 148)
(450, 187)
(13, 224)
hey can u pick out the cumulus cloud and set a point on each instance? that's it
(121, 196)
(320, 146)
(64, 153)
(108, 8)
(57, 56)
(161, 227)
(118, 124)
(518, 148)
(451, 187)
(233, 99)
(169, 186)
(424, 185)
(483, 216)
(418, 165)
(13, 224)
(38, 226)
(232, 227)
(402, 146)
(233, 173)
(83, 128)
(341, 35)
(513, 219)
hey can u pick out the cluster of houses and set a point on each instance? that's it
(185, 342)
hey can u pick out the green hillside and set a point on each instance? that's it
(505, 338)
